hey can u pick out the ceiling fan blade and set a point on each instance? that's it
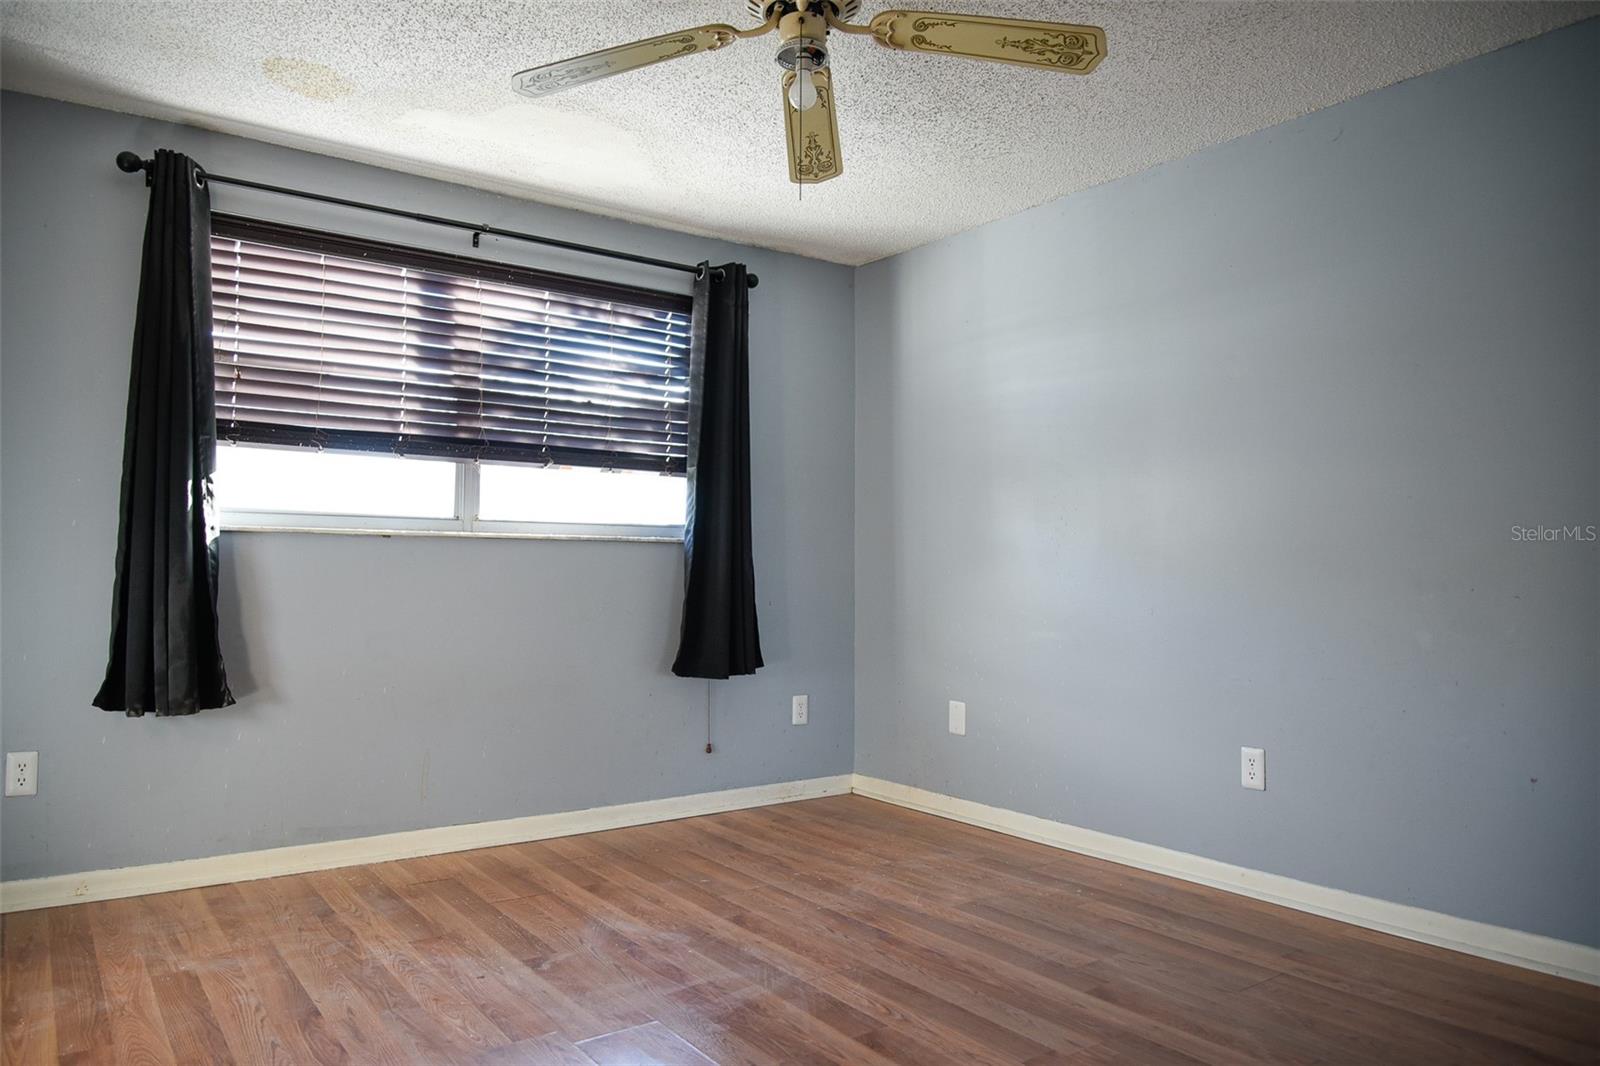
(812, 134)
(553, 77)
(1054, 45)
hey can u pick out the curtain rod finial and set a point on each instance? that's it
(751, 281)
(130, 162)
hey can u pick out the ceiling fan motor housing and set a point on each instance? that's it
(843, 10)
(803, 53)
(804, 41)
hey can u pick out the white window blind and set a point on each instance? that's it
(348, 344)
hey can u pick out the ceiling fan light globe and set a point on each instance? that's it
(802, 91)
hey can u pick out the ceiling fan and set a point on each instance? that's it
(807, 84)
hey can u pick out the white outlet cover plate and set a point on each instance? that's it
(25, 764)
(800, 710)
(958, 718)
(1253, 768)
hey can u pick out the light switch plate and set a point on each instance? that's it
(958, 718)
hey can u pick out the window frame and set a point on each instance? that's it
(465, 522)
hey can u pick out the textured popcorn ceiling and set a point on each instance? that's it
(932, 145)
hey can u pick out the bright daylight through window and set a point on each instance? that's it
(368, 386)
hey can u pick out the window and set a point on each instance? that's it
(289, 480)
(364, 385)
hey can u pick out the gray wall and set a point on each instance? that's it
(1227, 453)
(385, 684)
(1230, 453)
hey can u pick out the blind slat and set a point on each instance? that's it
(388, 349)
(287, 351)
(397, 341)
(309, 389)
(464, 416)
(322, 292)
(387, 277)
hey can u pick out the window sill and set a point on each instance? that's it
(457, 534)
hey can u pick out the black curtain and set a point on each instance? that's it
(165, 656)
(720, 637)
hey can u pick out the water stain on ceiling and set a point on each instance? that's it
(314, 81)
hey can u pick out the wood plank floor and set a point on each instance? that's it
(837, 930)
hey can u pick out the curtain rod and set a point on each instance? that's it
(132, 164)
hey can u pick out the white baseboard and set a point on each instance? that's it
(1529, 950)
(302, 858)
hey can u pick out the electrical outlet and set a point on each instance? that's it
(800, 710)
(22, 773)
(958, 718)
(1253, 768)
